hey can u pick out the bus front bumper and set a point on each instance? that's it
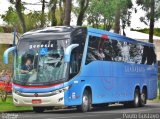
(55, 100)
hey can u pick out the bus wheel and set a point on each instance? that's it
(86, 102)
(136, 101)
(143, 98)
(38, 109)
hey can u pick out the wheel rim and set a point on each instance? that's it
(136, 99)
(143, 98)
(85, 103)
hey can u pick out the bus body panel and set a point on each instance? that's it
(55, 100)
(74, 95)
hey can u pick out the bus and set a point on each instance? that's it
(81, 67)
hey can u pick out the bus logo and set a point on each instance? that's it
(36, 94)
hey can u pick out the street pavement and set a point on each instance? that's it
(117, 111)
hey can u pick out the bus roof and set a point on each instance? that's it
(59, 32)
(56, 29)
(118, 37)
(49, 32)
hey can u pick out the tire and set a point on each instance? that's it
(38, 109)
(143, 98)
(86, 102)
(136, 102)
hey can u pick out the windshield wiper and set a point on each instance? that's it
(56, 81)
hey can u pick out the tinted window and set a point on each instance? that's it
(149, 56)
(77, 54)
(118, 51)
(93, 52)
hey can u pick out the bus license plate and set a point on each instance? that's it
(36, 101)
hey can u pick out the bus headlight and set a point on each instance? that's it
(16, 91)
(61, 90)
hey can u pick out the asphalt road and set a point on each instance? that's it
(150, 111)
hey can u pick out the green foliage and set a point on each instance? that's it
(100, 12)
(9, 106)
(1, 30)
(104, 11)
(11, 17)
(57, 14)
(146, 30)
(32, 19)
(145, 5)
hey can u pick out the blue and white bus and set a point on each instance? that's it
(81, 67)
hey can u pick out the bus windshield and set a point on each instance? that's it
(40, 62)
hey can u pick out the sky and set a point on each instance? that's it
(135, 22)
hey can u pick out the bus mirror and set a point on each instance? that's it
(68, 51)
(6, 53)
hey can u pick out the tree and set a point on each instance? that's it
(117, 20)
(19, 8)
(100, 15)
(109, 13)
(61, 10)
(67, 17)
(11, 17)
(82, 9)
(53, 5)
(152, 13)
(121, 12)
(43, 15)
(32, 19)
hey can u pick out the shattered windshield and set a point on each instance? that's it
(41, 62)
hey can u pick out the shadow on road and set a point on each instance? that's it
(96, 109)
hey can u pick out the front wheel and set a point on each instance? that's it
(86, 102)
(38, 109)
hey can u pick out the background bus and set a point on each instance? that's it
(82, 67)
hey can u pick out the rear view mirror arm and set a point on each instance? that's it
(68, 52)
(6, 53)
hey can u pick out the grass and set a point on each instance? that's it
(9, 106)
(157, 100)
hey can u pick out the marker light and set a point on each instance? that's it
(104, 36)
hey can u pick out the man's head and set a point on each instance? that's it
(100, 50)
(28, 62)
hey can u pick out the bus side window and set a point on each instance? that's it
(108, 50)
(151, 57)
(76, 55)
(92, 52)
(144, 56)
